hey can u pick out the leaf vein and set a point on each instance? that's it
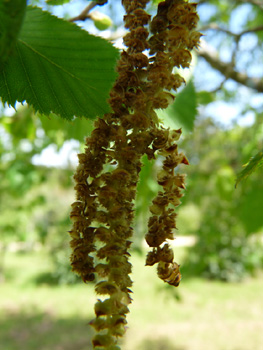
(55, 64)
(51, 87)
(28, 78)
(7, 87)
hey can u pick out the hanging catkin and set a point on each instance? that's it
(108, 170)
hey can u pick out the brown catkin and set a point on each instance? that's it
(108, 170)
(173, 37)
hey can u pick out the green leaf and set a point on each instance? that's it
(254, 164)
(20, 126)
(59, 68)
(250, 204)
(184, 108)
(100, 20)
(76, 129)
(147, 187)
(57, 2)
(205, 97)
(11, 18)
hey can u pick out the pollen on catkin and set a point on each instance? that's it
(108, 171)
(173, 35)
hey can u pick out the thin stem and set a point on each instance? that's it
(85, 13)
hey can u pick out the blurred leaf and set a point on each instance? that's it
(254, 164)
(147, 187)
(224, 11)
(21, 176)
(59, 68)
(11, 18)
(204, 97)
(184, 108)
(57, 2)
(255, 20)
(224, 180)
(21, 125)
(101, 21)
(76, 129)
(250, 206)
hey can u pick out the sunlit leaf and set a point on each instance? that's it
(59, 68)
(255, 163)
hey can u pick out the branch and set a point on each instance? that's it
(200, 2)
(85, 13)
(253, 2)
(236, 36)
(256, 29)
(228, 70)
(215, 26)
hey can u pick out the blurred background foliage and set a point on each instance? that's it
(229, 226)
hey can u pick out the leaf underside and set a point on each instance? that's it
(57, 67)
(254, 164)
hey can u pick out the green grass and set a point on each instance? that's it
(198, 315)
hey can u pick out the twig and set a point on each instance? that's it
(219, 86)
(253, 2)
(228, 70)
(237, 37)
(252, 30)
(215, 26)
(85, 13)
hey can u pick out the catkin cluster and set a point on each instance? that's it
(173, 37)
(108, 170)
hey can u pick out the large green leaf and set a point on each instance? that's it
(59, 68)
(11, 18)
